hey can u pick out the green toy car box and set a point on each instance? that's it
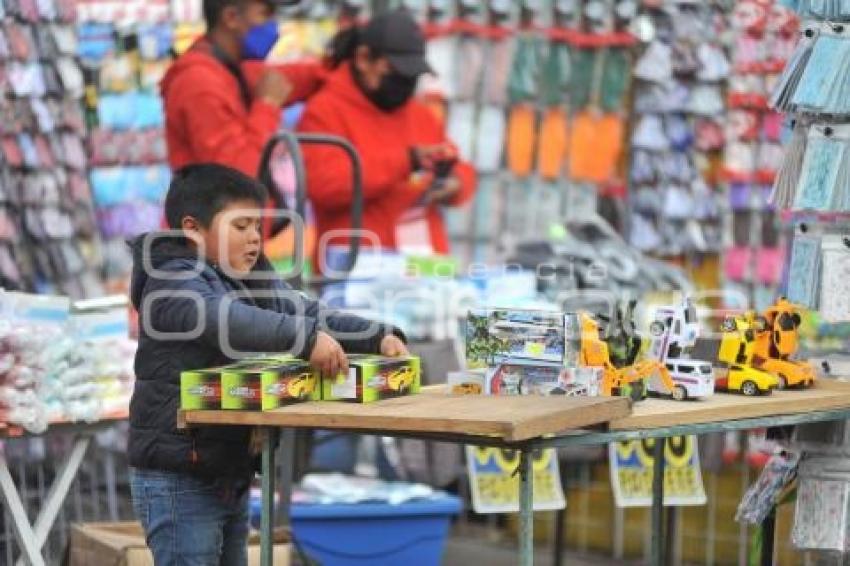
(372, 378)
(201, 389)
(292, 381)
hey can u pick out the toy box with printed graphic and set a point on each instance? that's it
(497, 336)
(269, 384)
(373, 378)
(200, 389)
(527, 379)
(467, 382)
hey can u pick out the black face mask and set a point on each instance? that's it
(393, 92)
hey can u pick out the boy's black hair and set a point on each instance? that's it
(202, 191)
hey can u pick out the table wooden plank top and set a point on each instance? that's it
(826, 395)
(433, 412)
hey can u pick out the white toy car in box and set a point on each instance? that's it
(693, 379)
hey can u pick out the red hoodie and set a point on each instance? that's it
(383, 140)
(206, 117)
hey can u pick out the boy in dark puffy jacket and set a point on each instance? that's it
(206, 295)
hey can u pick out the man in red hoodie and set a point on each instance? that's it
(222, 103)
(410, 169)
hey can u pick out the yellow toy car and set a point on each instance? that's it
(467, 389)
(745, 379)
(301, 386)
(400, 379)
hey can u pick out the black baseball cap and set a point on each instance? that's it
(397, 36)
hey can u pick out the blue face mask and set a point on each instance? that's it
(260, 40)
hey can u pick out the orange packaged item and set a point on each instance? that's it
(596, 143)
(553, 143)
(522, 131)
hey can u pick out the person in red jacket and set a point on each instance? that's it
(410, 169)
(222, 102)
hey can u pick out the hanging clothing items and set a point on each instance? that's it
(522, 131)
(490, 139)
(555, 76)
(499, 55)
(442, 50)
(461, 128)
(581, 79)
(596, 143)
(467, 77)
(525, 75)
(553, 143)
(615, 79)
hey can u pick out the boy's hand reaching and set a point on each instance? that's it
(393, 347)
(328, 356)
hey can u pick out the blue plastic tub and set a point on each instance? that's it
(375, 534)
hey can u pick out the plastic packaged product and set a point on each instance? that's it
(823, 505)
(761, 498)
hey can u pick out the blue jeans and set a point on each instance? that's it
(190, 521)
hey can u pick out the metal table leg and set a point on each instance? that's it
(658, 502)
(526, 508)
(268, 487)
(33, 538)
(768, 538)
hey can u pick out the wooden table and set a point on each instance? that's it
(516, 422)
(530, 423)
(661, 419)
(33, 536)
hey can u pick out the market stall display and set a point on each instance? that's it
(48, 240)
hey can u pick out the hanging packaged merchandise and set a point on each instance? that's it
(832, 10)
(442, 57)
(815, 79)
(825, 168)
(649, 134)
(467, 78)
(823, 505)
(553, 143)
(596, 144)
(522, 131)
(656, 64)
(555, 75)
(713, 63)
(788, 177)
(643, 234)
(804, 271)
(835, 272)
(499, 57)
(490, 139)
(461, 128)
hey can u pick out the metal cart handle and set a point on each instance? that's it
(293, 142)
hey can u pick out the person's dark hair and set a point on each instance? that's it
(213, 9)
(202, 191)
(344, 45)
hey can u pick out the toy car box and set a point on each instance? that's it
(268, 384)
(372, 378)
(498, 336)
(289, 382)
(469, 382)
(201, 389)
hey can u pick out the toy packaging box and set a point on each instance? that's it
(289, 382)
(372, 378)
(250, 385)
(469, 382)
(201, 389)
(499, 336)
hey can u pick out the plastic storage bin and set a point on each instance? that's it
(375, 534)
